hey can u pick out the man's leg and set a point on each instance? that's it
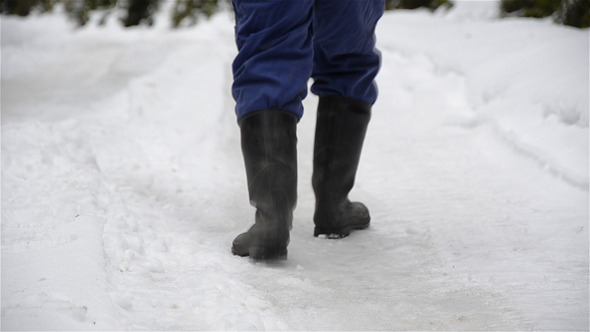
(275, 55)
(270, 81)
(345, 58)
(345, 66)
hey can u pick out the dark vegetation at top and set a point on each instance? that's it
(574, 13)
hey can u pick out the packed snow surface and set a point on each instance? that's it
(123, 183)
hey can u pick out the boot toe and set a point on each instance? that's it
(240, 245)
(247, 244)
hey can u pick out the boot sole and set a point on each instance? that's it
(338, 233)
(264, 253)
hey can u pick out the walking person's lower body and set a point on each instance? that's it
(281, 45)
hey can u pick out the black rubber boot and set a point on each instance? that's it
(269, 147)
(340, 133)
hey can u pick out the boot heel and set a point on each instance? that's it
(332, 234)
(339, 233)
(266, 253)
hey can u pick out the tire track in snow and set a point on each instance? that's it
(51, 229)
(166, 236)
(532, 154)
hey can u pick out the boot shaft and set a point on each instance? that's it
(269, 148)
(340, 133)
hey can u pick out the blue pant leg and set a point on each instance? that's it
(275, 53)
(345, 58)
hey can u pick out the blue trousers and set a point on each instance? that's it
(282, 43)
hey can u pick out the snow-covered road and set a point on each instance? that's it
(123, 184)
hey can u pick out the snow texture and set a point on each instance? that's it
(123, 184)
